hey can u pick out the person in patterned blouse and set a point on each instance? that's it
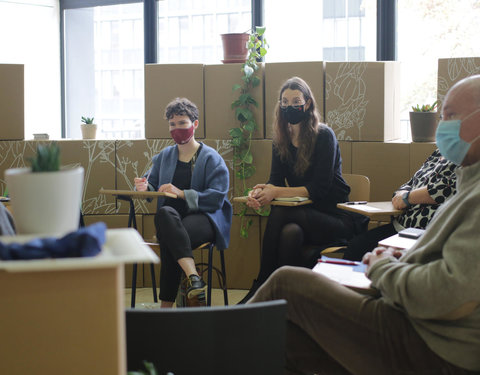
(420, 197)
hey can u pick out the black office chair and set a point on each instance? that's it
(241, 339)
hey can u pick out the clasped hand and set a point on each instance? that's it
(380, 253)
(397, 200)
(261, 195)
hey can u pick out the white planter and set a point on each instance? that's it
(89, 131)
(45, 202)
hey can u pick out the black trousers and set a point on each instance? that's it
(365, 242)
(177, 237)
(289, 228)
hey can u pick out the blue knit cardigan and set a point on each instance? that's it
(208, 190)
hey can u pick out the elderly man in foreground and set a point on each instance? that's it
(427, 318)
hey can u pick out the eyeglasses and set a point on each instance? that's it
(296, 104)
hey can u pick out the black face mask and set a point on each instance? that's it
(294, 114)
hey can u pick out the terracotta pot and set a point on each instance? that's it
(234, 47)
(423, 126)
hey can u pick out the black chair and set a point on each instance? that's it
(241, 339)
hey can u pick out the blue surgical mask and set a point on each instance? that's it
(451, 146)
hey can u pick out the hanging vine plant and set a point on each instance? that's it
(243, 107)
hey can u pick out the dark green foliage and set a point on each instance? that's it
(47, 158)
(87, 120)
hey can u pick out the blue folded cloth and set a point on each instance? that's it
(85, 242)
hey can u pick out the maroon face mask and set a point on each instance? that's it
(182, 136)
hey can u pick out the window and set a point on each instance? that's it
(335, 30)
(104, 70)
(29, 36)
(428, 31)
(189, 31)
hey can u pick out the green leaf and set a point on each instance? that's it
(250, 126)
(260, 30)
(236, 86)
(235, 132)
(247, 157)
(235, 142)
(255, 81)
(249, 171)
(263, 51)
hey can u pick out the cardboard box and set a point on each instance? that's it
(98, 161)
(120, 221)
(362, 100)
(452, 70)
(219, 115)
(12, 99)
(277, 73)
(15, 154)
(419, 152)
(387, 165)
(165, 82)
(63, 319)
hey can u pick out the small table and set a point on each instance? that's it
(128, 195)
(374, 210)
(277, 203)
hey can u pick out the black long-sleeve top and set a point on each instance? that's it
(323, 178)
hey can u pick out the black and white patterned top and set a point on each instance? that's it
(438, 174)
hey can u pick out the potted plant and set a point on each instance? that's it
(89, 129)
(241, 136)
(423, 122)
(45, 198)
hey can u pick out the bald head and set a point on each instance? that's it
(462, 102)
(470, 87)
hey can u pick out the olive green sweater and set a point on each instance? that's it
(440, 274)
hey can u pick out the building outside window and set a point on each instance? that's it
(29, 35)
(426, 32)
(104, 70)
(327, 30)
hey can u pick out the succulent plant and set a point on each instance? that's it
(87, 120)
(47, 158)
(425, 107)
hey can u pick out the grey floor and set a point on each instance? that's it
(144, 297)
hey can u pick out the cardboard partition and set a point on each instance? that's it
(219, 115)
(387, 165)
(419, 152)
(60, 321)
(165, 82)
(362, 100)
(12, 99)
(346, 153)
(98, 161)
(277, 73)
(242, 258)
(452, 70)
(120, 221)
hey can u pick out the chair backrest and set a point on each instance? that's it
(359, 185)
(241, 339)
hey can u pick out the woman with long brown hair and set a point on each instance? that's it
(306, 162)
